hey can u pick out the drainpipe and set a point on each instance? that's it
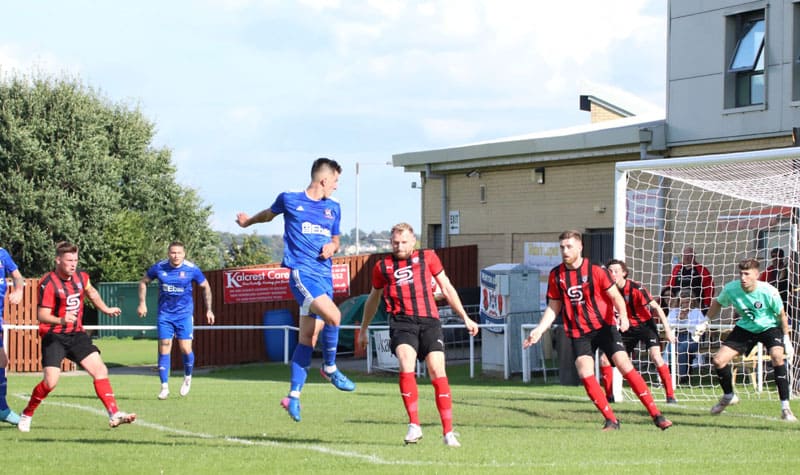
(444, 218)
(645, 139)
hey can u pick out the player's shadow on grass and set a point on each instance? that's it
(312, 441)
(96, 442)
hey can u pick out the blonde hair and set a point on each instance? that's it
(400, 227)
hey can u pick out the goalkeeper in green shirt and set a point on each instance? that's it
(762, 319)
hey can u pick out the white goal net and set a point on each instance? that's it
(726, 207)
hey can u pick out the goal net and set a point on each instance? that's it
(726, 208)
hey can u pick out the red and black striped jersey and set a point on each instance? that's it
(406, 283)
(586, 306)
(61, 296)
(637, 301)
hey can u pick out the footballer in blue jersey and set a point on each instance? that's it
(311, 238)
(7, 268)
(762, 319)
(175, 311)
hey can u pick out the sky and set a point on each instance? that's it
(247, 93)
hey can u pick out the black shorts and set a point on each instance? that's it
(606, 339)
(56, 346)
(424, 334)
(744, 341)
(646, 332)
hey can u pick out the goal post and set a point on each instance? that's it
(726, 207)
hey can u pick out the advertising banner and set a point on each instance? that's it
(272, 284)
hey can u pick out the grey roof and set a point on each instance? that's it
(601, 139)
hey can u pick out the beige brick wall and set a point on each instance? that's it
(601, 114)
(730, 147)
(519, 210)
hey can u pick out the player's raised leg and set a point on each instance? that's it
(330, 314)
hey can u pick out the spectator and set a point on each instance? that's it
(777, 274)
(693, 275)
(690, 325)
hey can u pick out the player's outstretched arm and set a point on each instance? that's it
(668, 333)
(451, 296)
(713, 310)
(94, 297)
(206, 288)
(264, 216)
(548, 317)
(141, 310)
(15, 296)
(370, 307)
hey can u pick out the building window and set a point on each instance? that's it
(483, 194)
(435, 238)
(746, 68)
(599, 245)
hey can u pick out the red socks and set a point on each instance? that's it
(640, 388)
(444, 402)
(607, 375)
(597, 396)
(408, 390)
(37, 396)
(666, 380)
(102, 387)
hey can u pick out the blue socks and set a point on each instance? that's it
(330, 340)
(188, 364)
(163, 367)
(3, 388)
(301, 360)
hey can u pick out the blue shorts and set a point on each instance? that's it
(307, 287)
(172, 326)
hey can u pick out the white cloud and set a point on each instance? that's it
(16, 60)
(263, 86)
(449, 131)
(320, 5)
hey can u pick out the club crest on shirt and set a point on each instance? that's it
(758, 305)
(415, 259)
(328, 213)
(584, 278)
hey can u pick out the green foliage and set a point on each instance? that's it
(77, 167)
(252, 251)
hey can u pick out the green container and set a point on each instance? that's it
(125, 295)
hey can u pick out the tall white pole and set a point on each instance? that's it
(358, 243)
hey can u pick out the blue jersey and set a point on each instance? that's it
(175, 289)
(7, 267)
(308, 225)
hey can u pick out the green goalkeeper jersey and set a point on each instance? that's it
(758, 310)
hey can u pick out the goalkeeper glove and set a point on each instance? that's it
(788, 348)
(699, 330)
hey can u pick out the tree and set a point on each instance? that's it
(252, 251)
(77, 167)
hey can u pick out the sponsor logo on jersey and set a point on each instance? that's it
(404, 275)
(172, 289)
(311, 228)
(73, 302)
(575, 294)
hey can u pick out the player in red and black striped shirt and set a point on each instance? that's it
(405, 281)
(586, 296)
(640, 305)
(60, 316)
